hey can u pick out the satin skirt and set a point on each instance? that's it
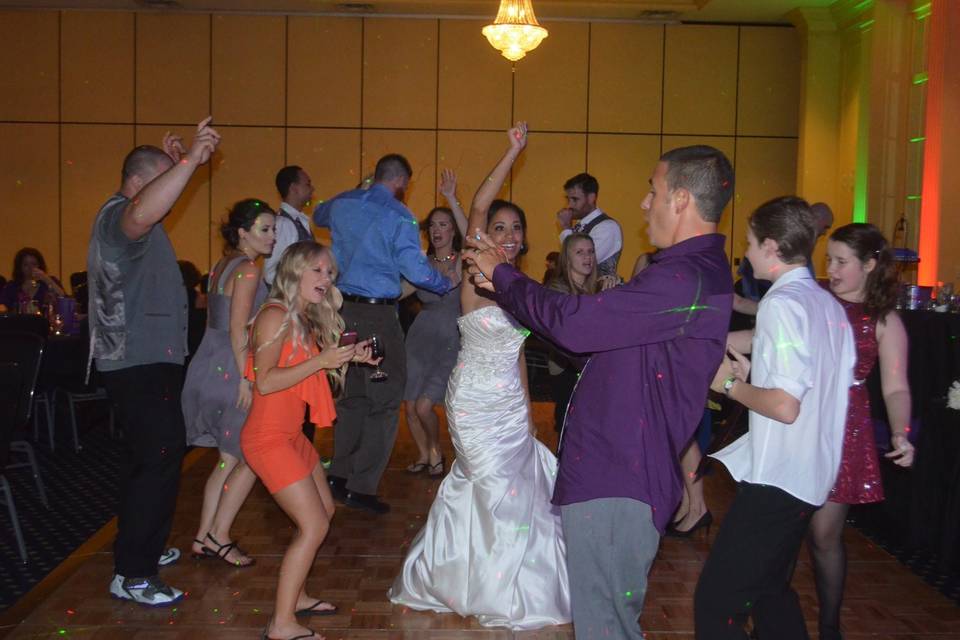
(492, 546)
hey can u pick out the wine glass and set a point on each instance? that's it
(376, 351)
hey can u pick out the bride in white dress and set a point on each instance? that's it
(492, 546)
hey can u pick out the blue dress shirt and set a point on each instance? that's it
(376, 240)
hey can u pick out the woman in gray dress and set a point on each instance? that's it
(433, 339)
(216, 397)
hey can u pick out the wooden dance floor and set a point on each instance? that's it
(361, 556)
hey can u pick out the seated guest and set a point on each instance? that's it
(30, 287)
(786, 464)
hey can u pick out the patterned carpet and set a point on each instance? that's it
(82, 493)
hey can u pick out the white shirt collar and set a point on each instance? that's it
(590, 216)
(798, 273)
(297, 214)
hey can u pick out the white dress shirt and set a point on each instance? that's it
(803, 345)
(607, 237)
(286, 234)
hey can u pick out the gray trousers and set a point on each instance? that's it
(368, 412)
(611, 543)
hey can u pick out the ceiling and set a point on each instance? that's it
(752, 11)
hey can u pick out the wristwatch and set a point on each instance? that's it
(728, 385)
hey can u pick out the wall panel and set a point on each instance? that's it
(323, 71)
(551, 83)
(173, 74)
(97, 80)
(626, 77)
(400, 73)
(700, 80)
(30, 65)
(419, 148)
(768, 95)
(475, 84)
(248, 69)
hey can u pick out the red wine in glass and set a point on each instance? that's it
(376, 351)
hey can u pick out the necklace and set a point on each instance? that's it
(447, 259)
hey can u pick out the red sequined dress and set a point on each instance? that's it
(859, 479)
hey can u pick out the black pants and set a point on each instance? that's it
(147, 399)
(368, 412)
(750, 565)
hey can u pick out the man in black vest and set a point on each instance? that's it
(292, 225)
(582, 190)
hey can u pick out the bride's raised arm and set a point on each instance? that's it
(486, 194)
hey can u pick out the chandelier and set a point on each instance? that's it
(516, 30)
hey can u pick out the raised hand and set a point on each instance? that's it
(518, 136)
(565, 217)
(448, 185)
(204, 143)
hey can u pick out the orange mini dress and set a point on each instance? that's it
(272, 439)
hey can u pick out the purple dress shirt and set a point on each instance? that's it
(655, 344)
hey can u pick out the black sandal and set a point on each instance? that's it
(313, 611)
(436, 470)
(204, 553)
(223, 550)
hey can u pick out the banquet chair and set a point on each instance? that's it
(10, 385)
(20, 353)
(42, 397)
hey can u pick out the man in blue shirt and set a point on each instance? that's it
(376, 241)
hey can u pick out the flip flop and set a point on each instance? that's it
(313, 611)
(312, 634)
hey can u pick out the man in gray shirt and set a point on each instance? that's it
(138, 340)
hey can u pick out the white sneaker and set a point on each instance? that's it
(150, 591)
(168, 557)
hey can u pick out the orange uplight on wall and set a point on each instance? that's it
(516, 31)
(929, 241)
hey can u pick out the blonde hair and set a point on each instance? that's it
(563, 280)
(318, 323)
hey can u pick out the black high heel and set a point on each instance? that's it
(223, 550)
(705, 521)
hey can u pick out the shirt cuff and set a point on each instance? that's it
(794, 387)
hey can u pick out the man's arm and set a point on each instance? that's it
(155, 200)
(607, 239)
(286, 234)
(642, 311)
(321, 214)
(411, 259)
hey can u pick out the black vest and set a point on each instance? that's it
(302, 232)
(609, 266)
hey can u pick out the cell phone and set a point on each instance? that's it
(348, 338)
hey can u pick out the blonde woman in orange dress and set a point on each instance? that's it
(295, 358)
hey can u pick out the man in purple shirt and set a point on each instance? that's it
(653, 345)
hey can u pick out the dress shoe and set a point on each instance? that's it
(338, 488)
(706, 520)
(366, 501)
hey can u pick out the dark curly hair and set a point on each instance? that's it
(242, 216)
(867, 242)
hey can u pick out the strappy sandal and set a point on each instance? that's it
(418, 467)
(436, 470)
(223, 550)
(204, 553)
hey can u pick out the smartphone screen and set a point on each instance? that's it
(347, 338)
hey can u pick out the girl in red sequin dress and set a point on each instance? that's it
(861, 271)
(292, 359)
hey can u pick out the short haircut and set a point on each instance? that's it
(706, 173)
(789, 222)
(142, 161)
(586, 182)
(287, 176)
(390, 166)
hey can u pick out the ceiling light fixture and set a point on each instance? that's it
(516, 31)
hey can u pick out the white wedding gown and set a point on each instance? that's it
(492, 546)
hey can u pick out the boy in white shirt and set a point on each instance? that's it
(803, 356)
